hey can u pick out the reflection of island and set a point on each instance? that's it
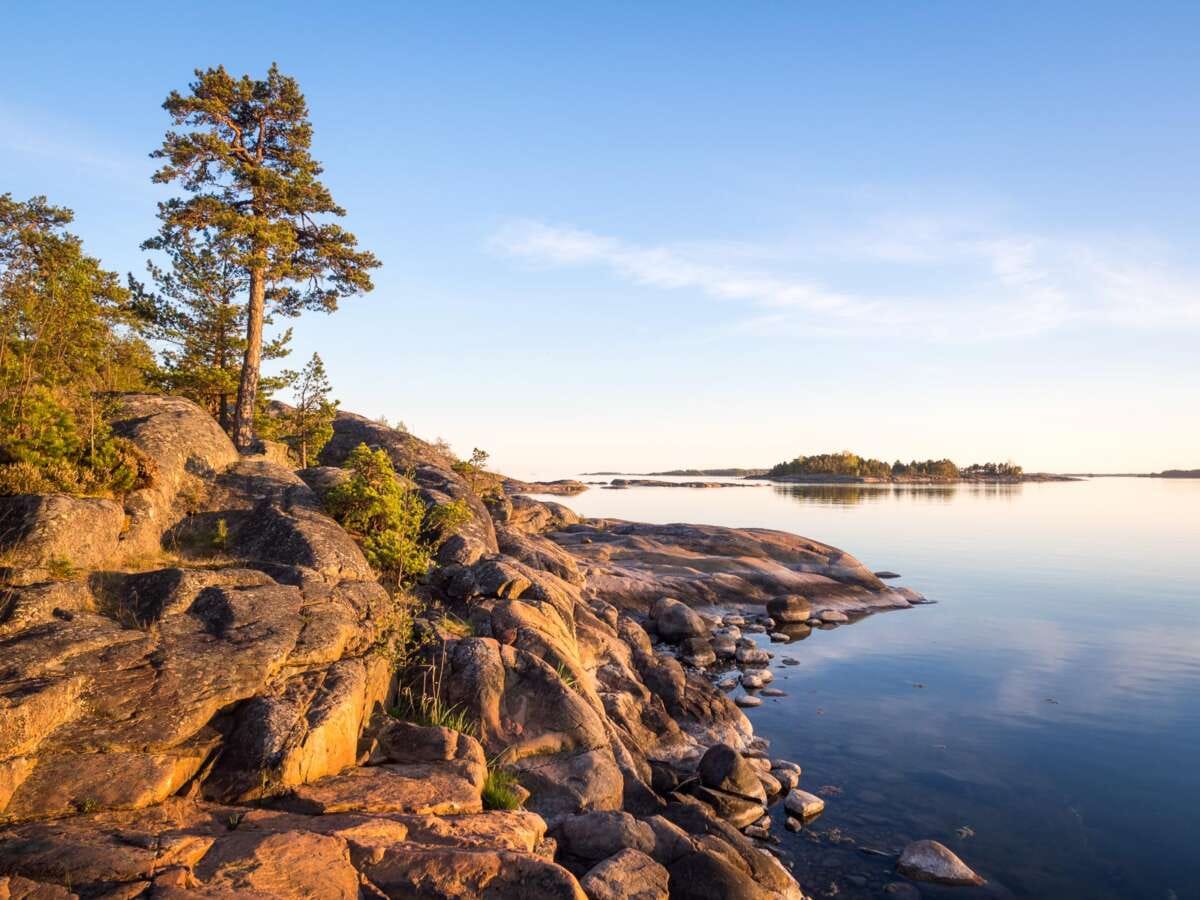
(849, 494)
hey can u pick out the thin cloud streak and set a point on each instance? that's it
(1006, 286)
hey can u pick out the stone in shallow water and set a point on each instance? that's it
(833, 616)
(803, 804)
(778, 637)
(787, 778)
(773, 692)
(752, 656)
(746, 700)
(789, 608)
(752, 681)
(931, 861)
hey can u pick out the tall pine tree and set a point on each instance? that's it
(198, 316)
(243, 158)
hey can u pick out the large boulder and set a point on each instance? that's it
(588, 838)
(188, 448)
(676, 621)
(630, 875)
(54, 530)
(547, 730)
(723, 768)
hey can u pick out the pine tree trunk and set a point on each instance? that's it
(243, 429)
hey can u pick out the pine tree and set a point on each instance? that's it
(198, 314)
(64, 342)
(308, 426)
(244, 161)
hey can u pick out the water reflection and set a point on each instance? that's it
(853, 494)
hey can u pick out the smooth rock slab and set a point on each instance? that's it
(833, 617)
(284, 865)
(931, 861)
(746, 701)
(448, 788)
(803, 804)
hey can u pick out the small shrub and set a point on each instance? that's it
(444, 520)
(60, 567)
(52, 455)
(220, 538)
(499, 790)
(456, 626)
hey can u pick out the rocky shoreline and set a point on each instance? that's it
(199, 689)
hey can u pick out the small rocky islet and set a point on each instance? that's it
(185, 717)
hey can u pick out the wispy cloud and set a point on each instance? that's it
(933, 278)
(41, 138)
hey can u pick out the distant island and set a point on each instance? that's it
(850, 468)
(1177, 473)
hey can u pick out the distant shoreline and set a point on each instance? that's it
(730, 472)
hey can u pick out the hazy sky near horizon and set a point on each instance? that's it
(639, 236)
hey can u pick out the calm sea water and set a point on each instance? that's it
(1042, 720)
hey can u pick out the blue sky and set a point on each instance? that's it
(632, 235)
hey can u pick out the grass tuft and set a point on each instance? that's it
(431, 709)
(499, 790)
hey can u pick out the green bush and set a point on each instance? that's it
(65, 342)
(387, 517)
